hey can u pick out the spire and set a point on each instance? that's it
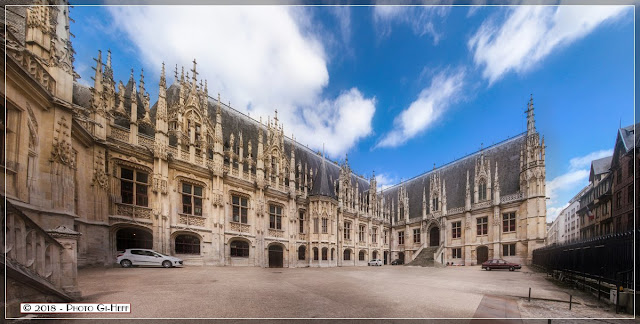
(163, 80)
(182, 75)
(531, 123)
(134, 93)
(176, 74)
(194, 76)
(142, 82)
(98, 77)
(108, 71)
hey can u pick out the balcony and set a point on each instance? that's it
(133, 211)
(239, 227)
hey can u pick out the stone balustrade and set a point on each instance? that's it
(456, 210)
(146, 141)
(189, 220)
(133, 211)
(276, 233)
(239, 227)
(119, 133)
(513, 197)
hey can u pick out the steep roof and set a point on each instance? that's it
(600, 166)
(454, 174)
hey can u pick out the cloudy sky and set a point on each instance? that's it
(397, 88)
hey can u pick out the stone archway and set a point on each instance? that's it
(434, 236)
(276, 258)
(133, 237)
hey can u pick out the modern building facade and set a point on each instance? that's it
(193, 177)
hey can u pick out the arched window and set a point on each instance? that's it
(315, 253)
(347, 255)
(375, 255)
(361, 255)
(301, 253)
(240, 249)
(187, 244)
(325, 253)
(482, 190)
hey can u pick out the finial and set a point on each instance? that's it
(194, 69)
(131, 77)
(276, 117)
(481, 146)
(176, 72)
(109, 58)
(434, 165)
(182, 74)
(162, 68)
(218, 98)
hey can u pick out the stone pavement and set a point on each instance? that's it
(498, 310)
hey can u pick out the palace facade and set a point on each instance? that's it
(190, 176)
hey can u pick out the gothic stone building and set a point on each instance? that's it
(192, 177)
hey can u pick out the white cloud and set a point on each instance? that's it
(571, 182)
(565, 182)
(530, 33)
(385, 181)
(423, 112)
(420, 19)
(585, 161)
(259, 58)
(553, 212)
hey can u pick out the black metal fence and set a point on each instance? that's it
(607, 258)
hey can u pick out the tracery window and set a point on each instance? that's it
(435, 204)
(240, 249)
(416, 235)
(401, 237)
(133, 187)
(240, 209)
(374, 235)
(275, 217)
(362, 233)
(191, 199)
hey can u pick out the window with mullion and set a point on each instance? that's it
(509, 222)
(482, 225)
(133, 187)
(301, 222)
(191, 199)
(401, 238)
(275, 217)
(325, 225)
(347, 230)
(456, 231)
(416, 235)
(240, 207)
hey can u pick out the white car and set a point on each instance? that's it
(375, 262)
(146, 257)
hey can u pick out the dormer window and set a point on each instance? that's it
(482, 190)
(435, 204)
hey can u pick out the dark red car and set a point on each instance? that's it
(500, 264)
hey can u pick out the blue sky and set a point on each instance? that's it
(397, 88)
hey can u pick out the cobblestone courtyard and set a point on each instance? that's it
(352, 292)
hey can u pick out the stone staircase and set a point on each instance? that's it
(425, 258)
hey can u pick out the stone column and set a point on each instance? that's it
(69, 258)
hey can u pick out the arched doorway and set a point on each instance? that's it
(482, 252)
(132, 238)
(401, 257)
(434, 236)
(275, 256)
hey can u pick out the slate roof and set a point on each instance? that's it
(628, 138)
(81, 95)
(506, 153)
(600, 166)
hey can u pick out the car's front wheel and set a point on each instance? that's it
(166, 264)
(488, 268)
(125, 264)
(512, 269)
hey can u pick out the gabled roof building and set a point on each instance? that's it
(185, 174)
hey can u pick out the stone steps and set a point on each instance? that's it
(425, 258)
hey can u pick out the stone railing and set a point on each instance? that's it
(276, 233)
(483, 204)
(513, 197)
(184, 155)
(239, 227)
(400, 223)
(234, 172)
(199, 160)
(191, 220)
(172, 150)
(34, 68)
(145, 141)
(302, 236)
(43, 261)
(456, 210)
(119, 133)
(416, 219)
(133, 211)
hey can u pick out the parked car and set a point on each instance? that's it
(500, 264)
(146, 257)
(397, 262)
(375, 262)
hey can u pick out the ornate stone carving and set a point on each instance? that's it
(62, 151)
